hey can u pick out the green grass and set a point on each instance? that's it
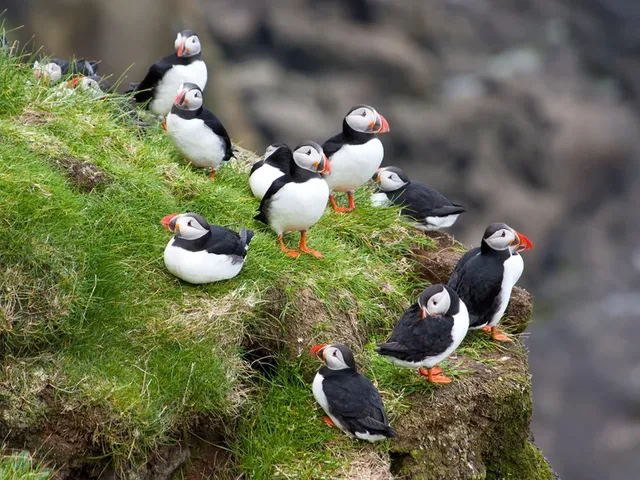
(20, 466)
(85, 297)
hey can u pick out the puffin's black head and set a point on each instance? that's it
(189, 97)
(390, 178)
(189, 226)
(435, 300)
(310, 156)
(187, 44)
(365, 119)
(271, 149)
(336, 357)
(500, 236)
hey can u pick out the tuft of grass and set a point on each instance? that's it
(21, 466)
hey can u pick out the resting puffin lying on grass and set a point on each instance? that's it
(203, 253)
(349, 399)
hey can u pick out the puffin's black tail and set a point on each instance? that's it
(261, 217)
(246, 236)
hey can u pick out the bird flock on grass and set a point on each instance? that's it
(294, 188)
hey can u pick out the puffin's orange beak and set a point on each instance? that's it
(523, 243)
(316, 350)
(180, 99)
(384, 128)
(165, 220)
(181, 48)
(424, 313)
(73, 83)
(326, 166)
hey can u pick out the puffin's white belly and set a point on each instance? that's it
(167, 89)
(297, 206)
(321, 398)
(436, 223)
(199, 267)
(513, 268)
(195, 141)
(353, 165)
(379, 199)
(262, 178)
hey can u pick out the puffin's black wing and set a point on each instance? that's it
(144, 90)
(357, 404)
(214, 123)
(413, 338)
(469, 254)
(478, 285)
(420, 201)
(277, 184)
(334, 144)
(226, 242)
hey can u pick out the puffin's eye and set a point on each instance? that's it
(503, 233)
(335, 353)
(189, 224)
(364, 113)
(193, 40)
(308, 152)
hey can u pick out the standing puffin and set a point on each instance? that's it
(356, 153)
(428, 207)
(202, 253)
(196, 132)
(349, 399)
(166, 75)
(484, 277)
(276, 162)
(428, 332)
(296, 201)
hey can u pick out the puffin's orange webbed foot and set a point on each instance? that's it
(164, 125)
(328, 421)
(213, 175)
(486, 328)
(289, 251)
(305, 249)
(335, 206)
(498, 336)
(434, 376)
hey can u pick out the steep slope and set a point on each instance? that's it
(111, 367)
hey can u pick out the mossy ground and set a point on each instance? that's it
(94, 333)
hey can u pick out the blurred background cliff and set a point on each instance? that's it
(525, 111)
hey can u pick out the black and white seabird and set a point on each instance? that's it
(356, 153)
(275, 164)
(54, 69)
(202, 253)
(296, 201)
(484, 278)
(196, 132)
(429, 208)
(165, 76)
(428, 332)
(349, 399)
(94, 84)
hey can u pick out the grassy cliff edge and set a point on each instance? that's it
(111, 366)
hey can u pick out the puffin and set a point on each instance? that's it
(94, 84)
(356, 153)
(425, 205)
(202, 253)
(196, 132)
(275, 164)
(164, 77)
(349, 399)
(428, 332)
(53, 70)
(484, 277)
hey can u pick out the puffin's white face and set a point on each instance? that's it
(50, 72)
(310, 156)
(333, 358)
(437, 304)
(188, 98)
(503, 239)
(389, 180)
(87, 83)
(365, 119)
(187, 46)
(187, 227)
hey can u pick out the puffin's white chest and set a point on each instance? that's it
(321, 398)
(436, 223)
(379, 199)
(262, 178)
(195, 141)
(353, 165)
(513, 268)
(297, 206)
(167, 88)
(200, 267)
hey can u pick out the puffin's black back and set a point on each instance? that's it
(219, 240)
(478, 283)
(420, 201)
(348, 136)
(355, 402)
(280, 159)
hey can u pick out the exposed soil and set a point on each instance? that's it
(84, 175)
